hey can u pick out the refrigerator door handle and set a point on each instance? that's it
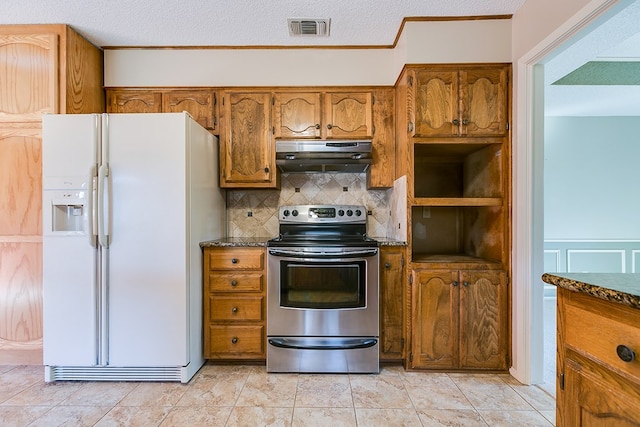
(93, 231)
(103, 175)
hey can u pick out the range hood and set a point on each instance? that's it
(304, 156)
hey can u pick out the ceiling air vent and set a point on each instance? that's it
(308, 27)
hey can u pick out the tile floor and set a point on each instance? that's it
(248, 396)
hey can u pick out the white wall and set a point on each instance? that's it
(421, 42)
(590, 178)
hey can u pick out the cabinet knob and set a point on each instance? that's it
(455, 122)
(234, 340)
(317, 125)
(234, 309)
(455, 283)
(465, 283)
(387, 265)
(234, 260)
(234, 283)
(465, 121)
(329, 126)
(266, 169)
(625, 353)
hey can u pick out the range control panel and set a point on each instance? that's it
(322, 214)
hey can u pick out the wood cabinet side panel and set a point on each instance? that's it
(391, 303)
(382, 171)
(82, 73)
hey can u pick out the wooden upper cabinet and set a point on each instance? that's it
(298, 115)
(29, 76)
(247, 156)
(323, 115)
(126, 101)
(467, 101)
(348, 115)
(200, 104)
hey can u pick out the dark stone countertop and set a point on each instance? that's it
(262, 241)
(622, 288)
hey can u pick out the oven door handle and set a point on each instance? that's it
(306, 254)
(334, 344)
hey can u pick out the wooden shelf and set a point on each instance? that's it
(446, 260)
(457, 201)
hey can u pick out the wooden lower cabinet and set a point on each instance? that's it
(595, 386)
(459, 320)
(391, 303)
(234, 303)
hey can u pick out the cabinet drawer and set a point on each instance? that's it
(236, 308)
(235, 282)
(236, 259)
(237, 339)
(597, 336)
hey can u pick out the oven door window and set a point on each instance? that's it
(331, 285)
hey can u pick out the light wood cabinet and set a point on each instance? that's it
(247, 153)
(43, 69)
(201, 104)
(459, 320)
(323, 115)
(391, 303)
(234, 303)
(467, 101)
(596, 387)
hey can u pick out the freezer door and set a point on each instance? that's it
(147, 255)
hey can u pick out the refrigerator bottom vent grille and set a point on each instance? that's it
(67, 373)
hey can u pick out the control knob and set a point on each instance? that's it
(286, 212)
(358, 212)
(340, 212)
(349, 212)
(295, 212)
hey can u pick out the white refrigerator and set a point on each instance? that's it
(127, 198)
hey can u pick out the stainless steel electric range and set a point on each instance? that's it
(322, 292)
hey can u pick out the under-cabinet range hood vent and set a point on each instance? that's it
(308, 27)
(302, 156)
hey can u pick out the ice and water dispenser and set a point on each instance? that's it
(66, 200)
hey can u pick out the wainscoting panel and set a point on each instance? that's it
(592, 256)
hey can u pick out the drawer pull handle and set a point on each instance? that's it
(234, 283)
(234, 340)
(234, 309)
(625, 353)
(234, 260)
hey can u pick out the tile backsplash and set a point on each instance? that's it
(254, 213)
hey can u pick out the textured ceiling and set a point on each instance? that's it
(238, 22)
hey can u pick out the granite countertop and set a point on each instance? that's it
(262, 241)
(623, 288)
(236, 241)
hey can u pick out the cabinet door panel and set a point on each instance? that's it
(134, 102)
(436, 103)
(297, 115)
(391, 303)
(198, 103)
(484, 101)
(435, 320)
(29, 76)
(348, 115)
(483, 315)
(247, 154)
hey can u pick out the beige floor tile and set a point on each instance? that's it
(71, 416)
(435, 391)
(216, 390)
(549, 415)
(196, 416)
(379, 391)
(323, 391)
(154, 394)
(324, 417)
(18, 416)
(387, 417)
(131, 416)
(269, 390)
(486, 391)
(451, 418)
(514, 418)
(18, 379)
(536, 397)
(243, 416)
(100, 394)
(43, 394)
